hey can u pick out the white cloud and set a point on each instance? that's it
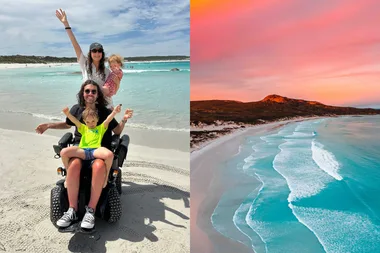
(31, 27)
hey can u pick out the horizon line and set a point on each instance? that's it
(75, 56)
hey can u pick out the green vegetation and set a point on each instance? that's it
(51, 59)
(36, 59)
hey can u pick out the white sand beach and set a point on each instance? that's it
(155, 200)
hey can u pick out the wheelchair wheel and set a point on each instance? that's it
(118, 182)
(58, 203)
(112, 212)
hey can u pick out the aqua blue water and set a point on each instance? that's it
(318, 191)
(158, 96)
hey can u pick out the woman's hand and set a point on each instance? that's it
(61, 15)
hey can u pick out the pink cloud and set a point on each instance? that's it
(297, 48)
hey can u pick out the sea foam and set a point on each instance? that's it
(325, 160)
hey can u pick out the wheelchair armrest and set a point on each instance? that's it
(122, 150)
(66, 139)
(115, 141)
(124, 141)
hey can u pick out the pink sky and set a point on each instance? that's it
(328, 51)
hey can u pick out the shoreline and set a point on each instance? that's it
(205, 194)
(168, 140)
(234, 129)
(208, 186)
(56, 64)
(207, 189)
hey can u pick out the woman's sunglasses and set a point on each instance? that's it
(87, 91)
(97, 50)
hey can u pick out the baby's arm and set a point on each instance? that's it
(112, 115)
(71, 117)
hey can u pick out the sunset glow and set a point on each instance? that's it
(326, 51)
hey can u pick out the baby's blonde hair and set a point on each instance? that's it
(116, 58)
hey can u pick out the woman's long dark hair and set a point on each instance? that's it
(100, 101)
(101, 65)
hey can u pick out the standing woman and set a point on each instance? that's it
(92, 66)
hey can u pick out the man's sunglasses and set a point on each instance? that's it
(87, 91)
(97, 50)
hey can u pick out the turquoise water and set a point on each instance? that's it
(318, 191)
(158, 96)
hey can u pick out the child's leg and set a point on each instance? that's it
(107, 156)
(70, 152)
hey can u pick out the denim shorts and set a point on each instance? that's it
(89, 153)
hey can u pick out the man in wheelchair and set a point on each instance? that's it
(81, 193)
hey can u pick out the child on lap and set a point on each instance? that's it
(90, 144)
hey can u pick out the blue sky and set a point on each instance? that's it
(129, 28)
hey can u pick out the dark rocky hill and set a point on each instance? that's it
(272, 107)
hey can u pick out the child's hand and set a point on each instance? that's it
(128, 114)
(117, 109)
(66, 111)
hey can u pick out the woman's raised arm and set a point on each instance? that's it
(61, 15)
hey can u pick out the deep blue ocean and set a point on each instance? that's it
(318, 190)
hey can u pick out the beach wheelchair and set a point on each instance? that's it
(109, 204)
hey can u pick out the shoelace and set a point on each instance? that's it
(89, 217)
(67, 216)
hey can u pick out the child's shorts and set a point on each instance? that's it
(89, 152)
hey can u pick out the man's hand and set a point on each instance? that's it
(42, 128)
(128, 114)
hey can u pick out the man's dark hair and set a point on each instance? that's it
(100, 101)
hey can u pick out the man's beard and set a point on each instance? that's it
(90, 101)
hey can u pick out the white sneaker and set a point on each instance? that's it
(67, 218)
(88, 221)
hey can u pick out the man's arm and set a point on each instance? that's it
(56, 125)
(119, 128)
